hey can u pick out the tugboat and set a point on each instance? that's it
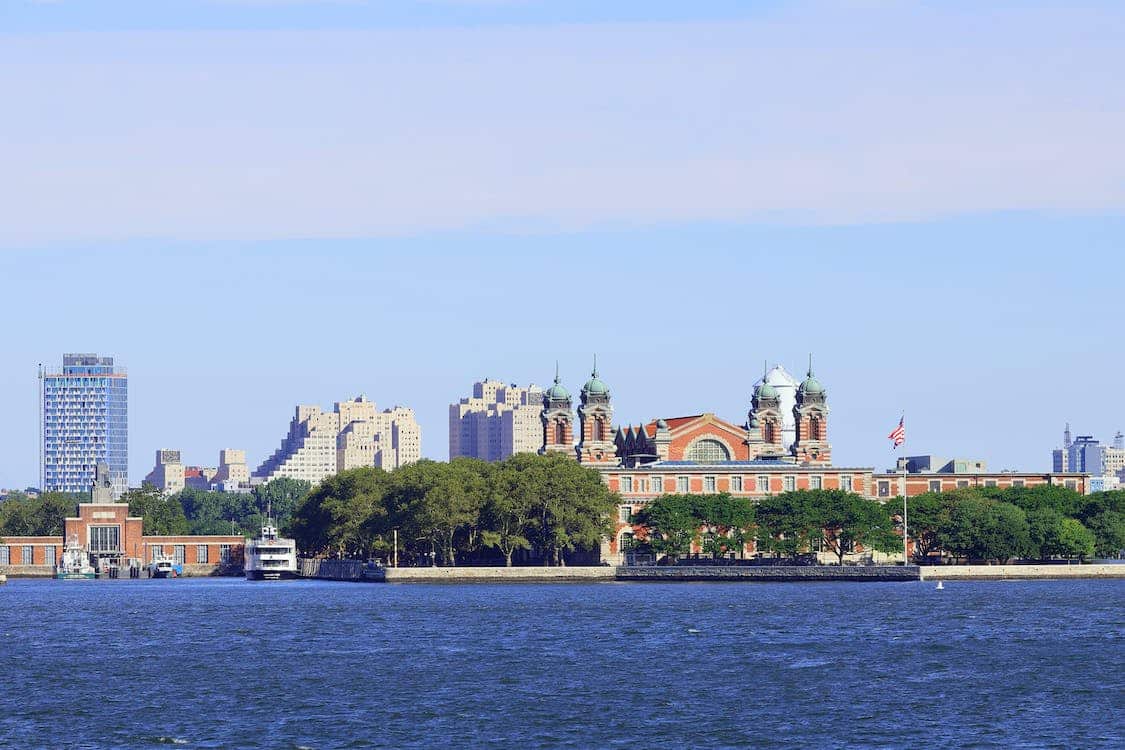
(270, 557)
(75, 563)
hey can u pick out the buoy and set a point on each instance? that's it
(940, 586)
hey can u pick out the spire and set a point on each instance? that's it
(595, 372)
(556, 372)
(810, 365)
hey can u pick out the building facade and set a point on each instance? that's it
(1087, 455)
(84, 410)
(497, 421)
(113, 538)
(320, 444)
(168, 473)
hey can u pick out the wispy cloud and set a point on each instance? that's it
(809, 117)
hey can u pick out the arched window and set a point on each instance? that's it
(599, 429)
(767, 432)
(560, 433)
(814, 427)
(707, 451)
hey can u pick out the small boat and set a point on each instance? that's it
(75, 563)
(3, 579)
(161, 566)
(270, 557)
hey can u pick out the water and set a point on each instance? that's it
(226, 663)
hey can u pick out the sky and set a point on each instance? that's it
(257, 203)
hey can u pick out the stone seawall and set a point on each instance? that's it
(497, 575)
(770, 573)
(1019, 572)
(28, 571)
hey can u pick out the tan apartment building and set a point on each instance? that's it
(320, 443)
(497, 421)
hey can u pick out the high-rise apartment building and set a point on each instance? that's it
(84, 420)
(497, 421)
(167, 474)
(353, 434)
(1086, 455)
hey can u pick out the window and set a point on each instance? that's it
(682, 485)
(5, 555)
(707, 451)
(201, 553)
(763, 484)
(789, 483)
(884, 488)
(105, 538)
(156, 550)
(935, 485)
(626, 543)
(736, 484)
(962, 483)
(1071, 484)
(846, 482)
(1017, 483)
(990, 483)
(708, 484)
(657, 484)
(178, 554)
(27, 554)
(625, 513)
(626, 484)
(816, 483)
(224, 553)
(50, 555)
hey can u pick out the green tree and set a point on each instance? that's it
(573, 508)
(847, 521)
(670, 523)
(1108, 528)
(343, 515)
(986, 530)
(210, 512)
(506, 516)
(23, 515)
(162, 516)
(788, 523)
(280, 497)
(927, 515)
(1075, 540)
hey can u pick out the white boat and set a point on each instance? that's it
(270, 557)
(75, 563)
(162, 566)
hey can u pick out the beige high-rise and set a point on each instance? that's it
(497, 421)
(354, 434)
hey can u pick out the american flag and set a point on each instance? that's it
(898, 434)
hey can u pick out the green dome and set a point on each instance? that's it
(765, 390)
(595, 387)
(557, 393)
(811, 385)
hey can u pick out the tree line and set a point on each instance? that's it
(191, 511)
(987, 523)
(537, 508)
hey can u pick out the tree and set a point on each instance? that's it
(1108, 528)
(280, 497)
(23, 515)
(506, 515)
(986, 530)
(572, 510)
(342, 516)
(1075, 540)
(162, 516)
(210, 512)
(927, 516)
(670, 524)
(847, 521)
(787, 523)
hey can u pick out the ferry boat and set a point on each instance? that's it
(270, 557)
(161, 566)
(75, 563)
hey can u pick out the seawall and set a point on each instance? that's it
(776, 573)
(1019, 572)
(333, 570)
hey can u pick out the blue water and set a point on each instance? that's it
(226, 663)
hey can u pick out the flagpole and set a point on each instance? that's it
(905, 534)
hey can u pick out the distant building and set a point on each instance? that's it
(497, 421)
(85, 419)
(1086, 455)
(937, 465)
(168, 473)
(232, 474)
(320, 444)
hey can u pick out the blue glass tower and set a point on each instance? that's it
(85, 420)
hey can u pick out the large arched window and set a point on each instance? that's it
(560, 433)
(599, 429)
(707, 451)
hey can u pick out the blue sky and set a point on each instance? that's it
(257, 204)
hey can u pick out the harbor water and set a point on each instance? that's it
(227, 663)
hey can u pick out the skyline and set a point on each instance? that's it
(224, 364)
